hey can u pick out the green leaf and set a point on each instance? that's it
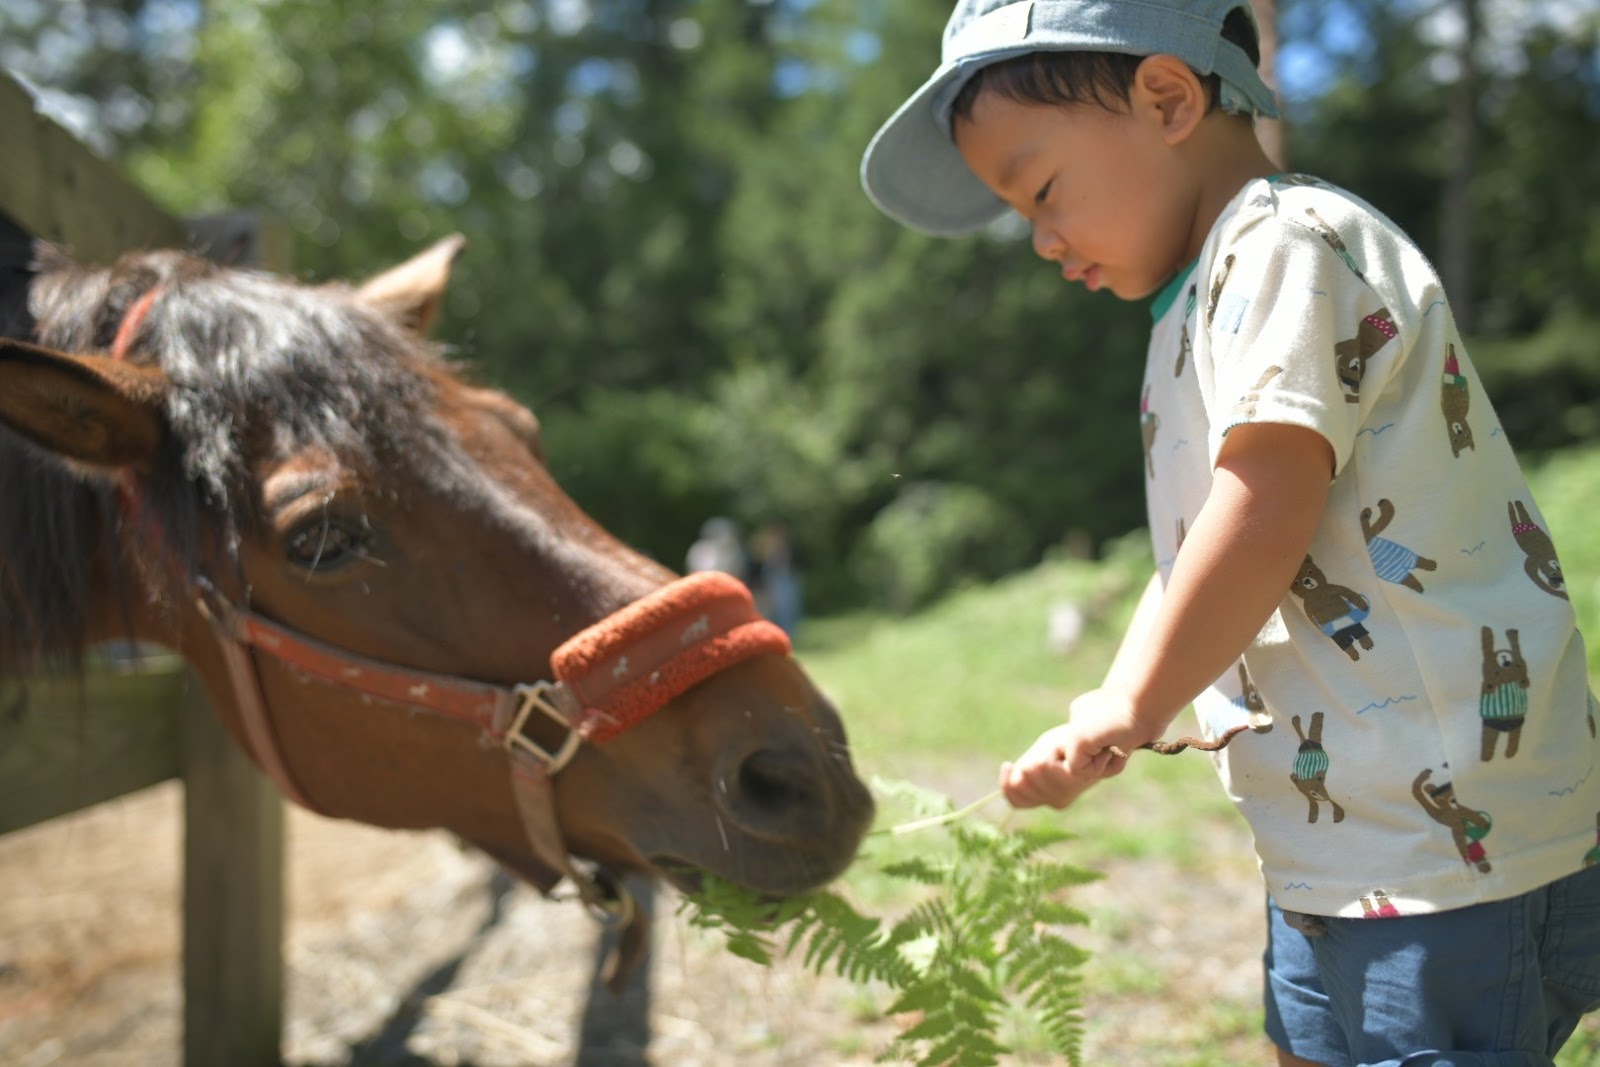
(982, 940)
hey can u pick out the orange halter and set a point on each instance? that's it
(607, 677)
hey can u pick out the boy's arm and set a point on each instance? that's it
(1237, 562)
(1133, 638)
(1240, 556)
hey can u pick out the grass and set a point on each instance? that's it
(1567, 487)
(941, 697)
(953, 691)
(1583, 1050)
(970, 674)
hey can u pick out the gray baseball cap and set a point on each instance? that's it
(912, 170)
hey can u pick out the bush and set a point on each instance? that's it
(932, 537)
(1545, 386)
(633, 462)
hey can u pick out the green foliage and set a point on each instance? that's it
(773, 447)
(1583, 1049)
(1543, 158)
(986, 936)
(1567, 487)
(934, 535)
(665, 223)
(1545, 386)
(636, 460)
(1385, 84)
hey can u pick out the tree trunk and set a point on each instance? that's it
(1455, 242)
(1271, 132)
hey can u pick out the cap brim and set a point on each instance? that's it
(913, 172)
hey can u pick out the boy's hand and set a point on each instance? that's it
(1066, 760)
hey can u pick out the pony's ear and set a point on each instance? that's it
(411, 292)
(89, 409)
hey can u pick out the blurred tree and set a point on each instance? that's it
(1456, 253)
(965, 363)
(1270, 132)
(1511, 222)
(672, 260)
(100, 68)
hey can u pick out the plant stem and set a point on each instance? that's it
(939, 820)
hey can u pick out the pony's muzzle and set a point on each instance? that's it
(777, 793)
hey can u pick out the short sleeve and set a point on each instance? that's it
(1294, 333)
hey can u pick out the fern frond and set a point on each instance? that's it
(1052, 877)
(924, 995)
(920, 870)
(977, 837)
(1054, 913)
(982, 938)
(967, 981)
(1044, 971)
(921, 800)
(1039, 836)
(929, 917)
(963, 1050)
(833, 932)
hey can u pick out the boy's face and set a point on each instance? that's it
(1102, 189)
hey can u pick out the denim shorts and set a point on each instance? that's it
(1500, 984)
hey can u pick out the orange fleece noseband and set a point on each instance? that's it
(639, 659)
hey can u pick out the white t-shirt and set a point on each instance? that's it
(1432, 739)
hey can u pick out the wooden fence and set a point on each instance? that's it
(68, 742)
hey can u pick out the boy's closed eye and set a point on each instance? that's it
(1043, 193)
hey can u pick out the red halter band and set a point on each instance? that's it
(609, 676)
(132, 321)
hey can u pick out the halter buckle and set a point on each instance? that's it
(546, 697)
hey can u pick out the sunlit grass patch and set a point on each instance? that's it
(941, 697)
(973, 675)
(1567, 487)
(1583, 1050)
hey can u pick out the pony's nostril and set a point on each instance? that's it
(776, 782)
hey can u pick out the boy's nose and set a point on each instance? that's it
(1047, 243)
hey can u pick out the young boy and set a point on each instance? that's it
(1349, 561)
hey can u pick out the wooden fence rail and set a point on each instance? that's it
(68, 742)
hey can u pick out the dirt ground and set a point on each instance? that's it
(401, 948)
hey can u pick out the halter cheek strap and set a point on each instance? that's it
(609, 676)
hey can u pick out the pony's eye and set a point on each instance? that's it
(326, 544)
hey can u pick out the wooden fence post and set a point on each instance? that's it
(232, 898)
(233, 819)
(119, 731)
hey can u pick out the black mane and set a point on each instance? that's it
(258, 366)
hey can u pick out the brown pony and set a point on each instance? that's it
(232, 464)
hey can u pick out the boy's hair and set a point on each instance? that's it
(1103, 78)
(1049, 53)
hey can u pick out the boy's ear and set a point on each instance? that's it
(1167, 90)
